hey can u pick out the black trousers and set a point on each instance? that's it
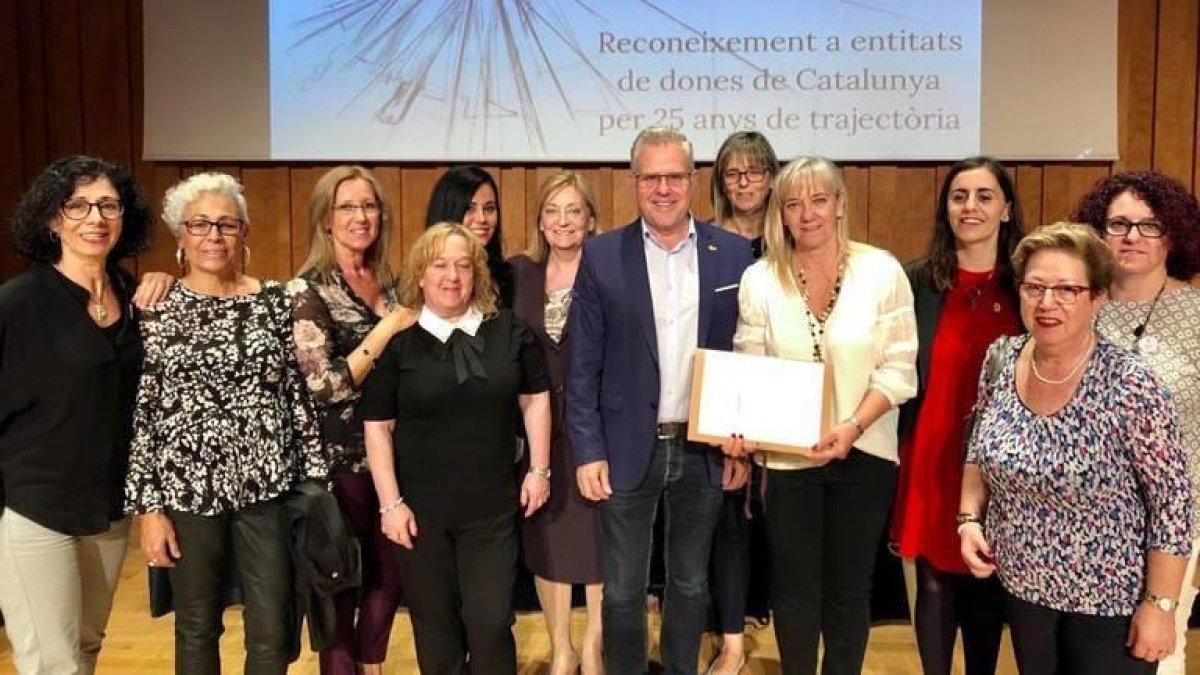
(458, 582)
(1049, 642)
(738, 567)
(824, 526)
(256, 540)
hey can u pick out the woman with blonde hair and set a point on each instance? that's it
(346, 311)
(561, 543)
(438, 411)
(817, 296)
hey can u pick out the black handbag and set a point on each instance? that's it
(993, 364)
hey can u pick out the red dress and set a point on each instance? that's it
(975, 312)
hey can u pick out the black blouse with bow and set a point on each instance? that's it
(453, 406)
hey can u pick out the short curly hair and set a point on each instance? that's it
(1172, 204)
(41, 203)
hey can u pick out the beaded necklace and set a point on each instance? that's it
(816, 322)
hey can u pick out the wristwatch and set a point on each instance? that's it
(1162, 602)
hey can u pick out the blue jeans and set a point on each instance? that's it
(678, 473)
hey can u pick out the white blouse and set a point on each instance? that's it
(870, 340)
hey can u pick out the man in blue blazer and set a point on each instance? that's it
(646, 297)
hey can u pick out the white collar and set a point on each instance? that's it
(648, 235)
(441, 328)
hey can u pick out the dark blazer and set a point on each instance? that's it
(613, 381)
(927, 304)
(529, 303)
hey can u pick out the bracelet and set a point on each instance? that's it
(964, 519)
(853, 419)
(392, 507)
(540, 471)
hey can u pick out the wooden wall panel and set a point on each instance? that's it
(1136, 43)
(1175, 90)
(71, 81)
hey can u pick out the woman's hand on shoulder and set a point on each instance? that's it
(399, 525)
(398, 319)
(158, 540)
(975, 551)
(153, 288)
(535, 492)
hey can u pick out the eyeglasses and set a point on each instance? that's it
(200, 227)
(734, 176)
(78, 209)
(1064, 294)
(571, 212)
(1149, 228)
(653, 180)
(348, 210)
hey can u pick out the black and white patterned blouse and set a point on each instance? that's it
(331, 321)
(223, 418)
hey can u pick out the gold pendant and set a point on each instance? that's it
(99, 312)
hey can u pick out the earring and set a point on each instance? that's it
(179, 259)
(245, 257)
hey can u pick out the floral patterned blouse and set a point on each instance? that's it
(1078, 497)
(330, 322)
(223, 419)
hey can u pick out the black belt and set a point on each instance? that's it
(667, 431)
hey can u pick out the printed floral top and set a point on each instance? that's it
(1170, 345)
(223, 419)
(330, 322)
(1079, 497)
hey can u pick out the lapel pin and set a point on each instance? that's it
(712, 246)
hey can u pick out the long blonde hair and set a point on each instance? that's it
(801, 173)
(430, 246)
(320, 204)
(538, 248)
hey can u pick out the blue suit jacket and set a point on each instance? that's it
(613, 381)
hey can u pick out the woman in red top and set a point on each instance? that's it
(965, 298)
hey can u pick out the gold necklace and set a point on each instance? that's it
(96, 305)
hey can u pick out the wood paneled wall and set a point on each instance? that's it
(71, 81)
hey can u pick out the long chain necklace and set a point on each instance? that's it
(1082, 359)
(96, 305)
(816, 322)
(1140, 339)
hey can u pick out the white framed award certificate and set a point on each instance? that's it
(778, 404)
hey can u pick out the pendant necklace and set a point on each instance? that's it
(96, 305)
(1143, 343)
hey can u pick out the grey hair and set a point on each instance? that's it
(661, 135)
(188, 190)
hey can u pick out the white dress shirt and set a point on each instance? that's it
(675, 292)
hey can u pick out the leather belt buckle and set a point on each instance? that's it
(667, 431)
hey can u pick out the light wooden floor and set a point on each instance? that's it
(140, 645)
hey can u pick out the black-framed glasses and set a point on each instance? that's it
(348, 210)
(735, 176)
(78, 209)
(200, 227)
(1149, 228)
(1063, 294)
(653, 180)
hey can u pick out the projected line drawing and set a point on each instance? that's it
(479, 60)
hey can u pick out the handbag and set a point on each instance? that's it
(993, 363)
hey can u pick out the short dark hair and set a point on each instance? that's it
(41, 203)
(943, 258)
(1172, 203)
